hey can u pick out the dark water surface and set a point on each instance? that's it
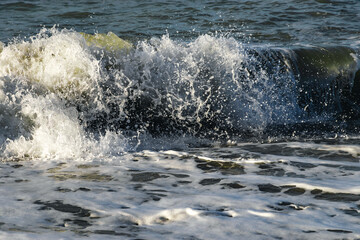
(279, 22)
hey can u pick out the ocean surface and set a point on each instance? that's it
(180, 119)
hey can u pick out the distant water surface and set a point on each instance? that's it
(277, 22)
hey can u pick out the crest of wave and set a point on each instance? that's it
(212, 81)
(42, 81)
(57, 60)
(68, 99)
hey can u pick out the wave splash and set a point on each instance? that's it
(65, 96)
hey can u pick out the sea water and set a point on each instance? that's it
(179, 119)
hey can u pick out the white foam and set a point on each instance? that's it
(57, 60)
(56, 132)
(42, 82)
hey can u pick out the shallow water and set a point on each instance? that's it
(295, 190)
(216, 120)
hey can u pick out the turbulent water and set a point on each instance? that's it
(179, 120)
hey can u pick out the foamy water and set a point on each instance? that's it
(229, 192)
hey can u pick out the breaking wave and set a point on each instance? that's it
(67, 94)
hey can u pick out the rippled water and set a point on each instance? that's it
(278, 22)
(213, 120)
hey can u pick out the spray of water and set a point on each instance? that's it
(66, 96)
